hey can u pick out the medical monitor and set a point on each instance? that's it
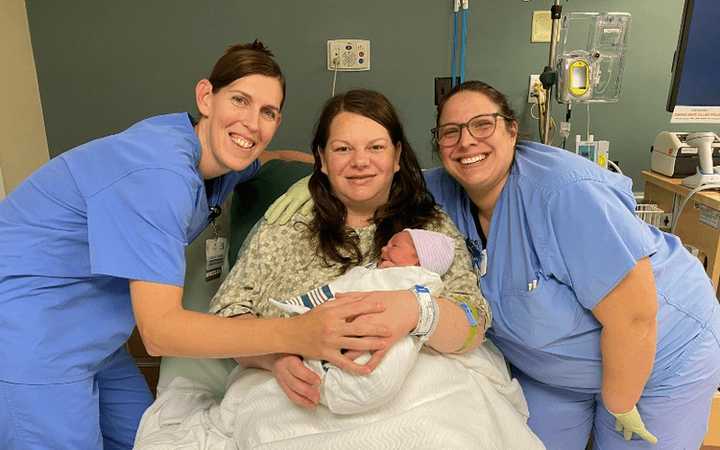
(696, 65)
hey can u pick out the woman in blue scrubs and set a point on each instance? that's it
(611, 326)
(95, 240)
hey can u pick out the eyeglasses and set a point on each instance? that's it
(479, 127)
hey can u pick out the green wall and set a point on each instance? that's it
(103, 65)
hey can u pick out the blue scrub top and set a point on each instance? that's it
(119, 208)
(563, 234)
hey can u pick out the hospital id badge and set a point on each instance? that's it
(482, 270)
(214, 257)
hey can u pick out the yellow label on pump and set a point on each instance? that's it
(579, 78)
(602, 160)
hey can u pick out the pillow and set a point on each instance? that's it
(252, 198)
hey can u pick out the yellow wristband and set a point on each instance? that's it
(470, 315)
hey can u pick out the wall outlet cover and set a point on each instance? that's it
(348, 54)
(534, 78)
(443, 86)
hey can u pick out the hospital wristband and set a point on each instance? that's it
(471, 316)
(428, 313)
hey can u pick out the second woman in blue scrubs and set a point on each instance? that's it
(610, 325)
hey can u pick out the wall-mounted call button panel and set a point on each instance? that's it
(348, 54)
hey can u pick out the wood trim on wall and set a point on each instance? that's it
(23, 141)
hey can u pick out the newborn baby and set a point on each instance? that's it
(411, 258)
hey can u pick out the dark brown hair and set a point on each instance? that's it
(495, 96)
(409, 205)
(241, 60)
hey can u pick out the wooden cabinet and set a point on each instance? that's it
(697, 227)
(712, 438)
(699, 223)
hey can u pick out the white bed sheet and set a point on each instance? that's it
(448, 401)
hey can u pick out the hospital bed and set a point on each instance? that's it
(210, 403)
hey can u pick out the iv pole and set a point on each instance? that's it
(549, 76)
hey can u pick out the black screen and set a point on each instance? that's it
(696, 67)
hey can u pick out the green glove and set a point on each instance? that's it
(296, 198)
(631, 422)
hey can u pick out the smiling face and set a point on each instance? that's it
(237, 123)
(480, 166)
(359, 160)
(399, 252)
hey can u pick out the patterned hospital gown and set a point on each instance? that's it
(282, 261)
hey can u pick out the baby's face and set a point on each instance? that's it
(399, 251)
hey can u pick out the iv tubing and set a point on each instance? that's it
(615, 166)
(453, 58)
(588, 120)
(556, 14)
(463, 39)
(568, 116)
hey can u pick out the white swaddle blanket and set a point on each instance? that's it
(347, 393)
(447, 401)
(415, 399)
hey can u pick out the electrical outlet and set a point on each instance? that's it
(348, 54)
(443, 86)
(534, 78)
(665, 221)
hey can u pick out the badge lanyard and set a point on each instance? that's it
(478, 255)
(215, 248)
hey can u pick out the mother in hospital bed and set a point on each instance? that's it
(366, 186)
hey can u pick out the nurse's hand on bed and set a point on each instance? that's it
(300, 384)
(327, 330)
(296, 198)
